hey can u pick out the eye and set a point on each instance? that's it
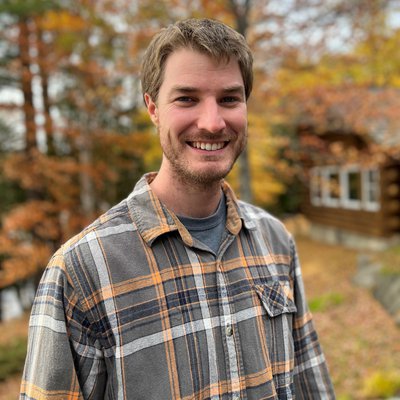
(230, 100)
(185, 100)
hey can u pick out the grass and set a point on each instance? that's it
(12, 358)
(326, 302)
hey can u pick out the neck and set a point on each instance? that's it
(184, 199)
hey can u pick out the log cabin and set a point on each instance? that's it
(352, 192)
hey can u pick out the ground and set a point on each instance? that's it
(360, 339)
(9, 331)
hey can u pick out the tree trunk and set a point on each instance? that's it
(87, 192)
(241, 11)
(1, 304)
(26, 85)
(43, 71)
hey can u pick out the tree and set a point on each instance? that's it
(352, 91)
(85, 137)
(82, 142)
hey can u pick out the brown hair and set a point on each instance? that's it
(207, 36)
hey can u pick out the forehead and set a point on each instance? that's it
(190, 67)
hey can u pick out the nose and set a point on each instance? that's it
(210, 117)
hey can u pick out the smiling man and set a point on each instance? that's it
(202, 122)
(181, 291)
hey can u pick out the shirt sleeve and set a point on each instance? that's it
(311, 376)
(64, 358)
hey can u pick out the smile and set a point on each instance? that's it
(208, 146)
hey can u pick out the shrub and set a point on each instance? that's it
(325, 301)
(382, 384)
(12, 358)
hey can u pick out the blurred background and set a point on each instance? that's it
(323, 153)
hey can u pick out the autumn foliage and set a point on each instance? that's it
(83, 141)
(74, 136)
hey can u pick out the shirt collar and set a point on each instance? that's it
(153, 218)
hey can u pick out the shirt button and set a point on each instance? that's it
(229, 330)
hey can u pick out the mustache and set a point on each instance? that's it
(222, 136)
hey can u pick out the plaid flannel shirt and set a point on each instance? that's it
(135, 308)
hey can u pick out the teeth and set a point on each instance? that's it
(208, 146)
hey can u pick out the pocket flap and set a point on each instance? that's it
(277, 298)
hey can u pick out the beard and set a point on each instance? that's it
(207, 175)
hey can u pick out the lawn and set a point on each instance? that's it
(360, 339)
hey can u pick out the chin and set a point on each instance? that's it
(209, 176)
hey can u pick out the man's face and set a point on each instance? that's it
(201, 116)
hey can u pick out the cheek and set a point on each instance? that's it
(238, 119)
(177, 121)
(239, 124)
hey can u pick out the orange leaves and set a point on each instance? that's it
(62, 20)
(21, 261)
(352, 91)
(217, 9)
(131, 145)
(39, 173)
(39, 218)
(88, 143)
(25, 240)
(369, 112)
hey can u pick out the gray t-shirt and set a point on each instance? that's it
(209, 230)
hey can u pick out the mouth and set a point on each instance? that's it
(208, 146)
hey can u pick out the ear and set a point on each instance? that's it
(151, 108)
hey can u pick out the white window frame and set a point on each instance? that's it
(315, 186)
(320, 194)
(366, 190)
(345, 199)
(327, 200)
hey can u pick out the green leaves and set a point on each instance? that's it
(27, 8)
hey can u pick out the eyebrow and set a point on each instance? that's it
(192, 89)
(234, 89)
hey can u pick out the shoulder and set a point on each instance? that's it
(107, 225)
(267, 226)
(255, 216)
(82, 262)
(82, 256)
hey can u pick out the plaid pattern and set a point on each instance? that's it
(134, 308)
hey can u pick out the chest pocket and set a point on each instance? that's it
(278, 302)
(276, 298)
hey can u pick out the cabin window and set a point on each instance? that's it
(348, 187)
(351, 188)
(371, 189)
(316, 186)
(331, 186)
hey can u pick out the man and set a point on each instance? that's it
(180, 291)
